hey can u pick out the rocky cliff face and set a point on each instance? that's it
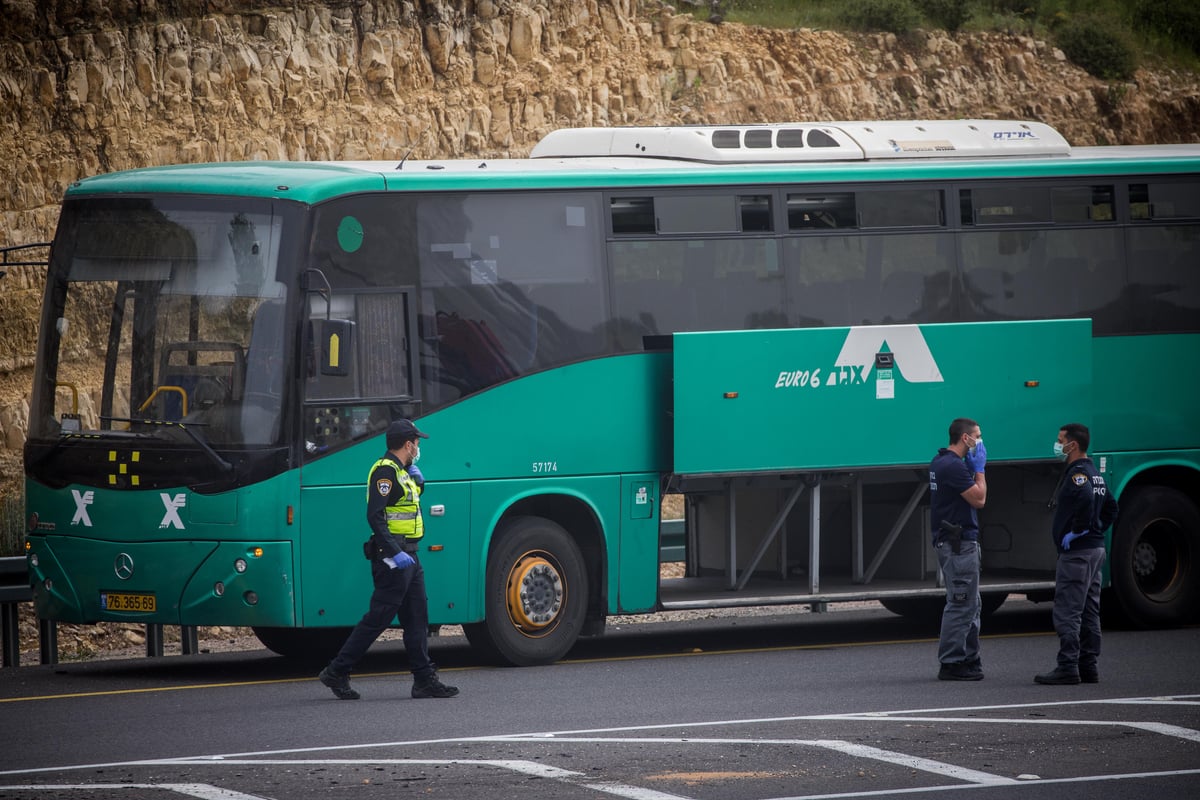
(89, 87)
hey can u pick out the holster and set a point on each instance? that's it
(370, 549)
(953, 534)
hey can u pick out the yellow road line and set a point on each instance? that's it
(599, 660)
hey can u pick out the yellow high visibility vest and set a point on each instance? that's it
(404, 516)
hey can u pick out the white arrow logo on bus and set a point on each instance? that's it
(172, 504)
(906, 343)
(82, 501)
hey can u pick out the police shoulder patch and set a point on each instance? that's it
(384, 486)
(1079, 478)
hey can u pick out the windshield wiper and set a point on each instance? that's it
(224, 465)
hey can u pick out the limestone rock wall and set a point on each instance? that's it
(90, 86)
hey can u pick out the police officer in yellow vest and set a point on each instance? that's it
(394, 489)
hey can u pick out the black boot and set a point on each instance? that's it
(339, 684)
(1059, 676)
(430, 686)
(959, 671)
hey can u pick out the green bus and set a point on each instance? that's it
(775, 323)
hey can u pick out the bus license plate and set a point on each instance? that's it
(113, 601)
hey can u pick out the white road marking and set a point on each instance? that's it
(849, 748)
(915, 762)
(1182, 699)
(1167, 730)
(967, 778)
(1174, 773)
(205, 792)
(1154, 701)
(1151, 727)
(580, 779)
(586, 782)
(199, 790)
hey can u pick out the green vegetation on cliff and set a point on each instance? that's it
(1108, 38)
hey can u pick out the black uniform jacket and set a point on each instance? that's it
(1083, 504)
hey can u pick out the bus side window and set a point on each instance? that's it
(821, 211)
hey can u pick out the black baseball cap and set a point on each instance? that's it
(400, 431)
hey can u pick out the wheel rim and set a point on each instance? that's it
(1159, 560)
(536, 594)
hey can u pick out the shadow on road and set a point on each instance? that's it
(629, 640)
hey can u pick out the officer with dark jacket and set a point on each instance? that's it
(957, 489)
(394, 487)
(1083, 510)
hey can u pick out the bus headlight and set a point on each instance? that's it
(219, 588)
(251, 598)
(239, 566)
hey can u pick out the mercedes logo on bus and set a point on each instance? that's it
(123, 566)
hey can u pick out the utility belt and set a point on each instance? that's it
(953, 534)
(409, 544)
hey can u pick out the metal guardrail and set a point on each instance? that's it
(14, 590)
(8, 253)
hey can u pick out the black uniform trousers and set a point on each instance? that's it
(1077, 607)
(397, 592)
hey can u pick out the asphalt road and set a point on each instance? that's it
(843, 704)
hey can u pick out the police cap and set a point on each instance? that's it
(400, 431)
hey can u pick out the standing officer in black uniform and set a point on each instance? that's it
(957, 489)
(1084, 510)
(394, 490)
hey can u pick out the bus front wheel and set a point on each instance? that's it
(535, 599)
(1155, 565)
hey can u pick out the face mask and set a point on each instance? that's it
(417, 455)
(1058, 451)
(978, 442)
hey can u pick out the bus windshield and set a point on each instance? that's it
(186, 292)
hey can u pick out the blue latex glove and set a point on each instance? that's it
(1070, 537)
(416, 475)
(401, 560)
(978, 460)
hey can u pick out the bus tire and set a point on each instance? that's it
(929, 609)
(309, 644)
(990, 602)
(1155, 568)
(917, 609)
(536, 593)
